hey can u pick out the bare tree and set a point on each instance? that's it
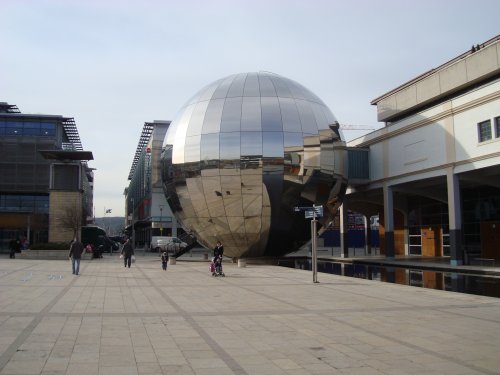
(71, 220)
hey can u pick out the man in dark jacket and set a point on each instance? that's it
(164, 260)
(127, 252)
(218, 250)
(75, 254)
(14, 246)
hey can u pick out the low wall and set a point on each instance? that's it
(46, 254)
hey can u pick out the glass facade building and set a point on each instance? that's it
(242, 153)
(147, 212)
(26, 174)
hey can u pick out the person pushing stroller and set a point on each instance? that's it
(216, 266)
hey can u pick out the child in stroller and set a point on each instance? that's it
(216, 266)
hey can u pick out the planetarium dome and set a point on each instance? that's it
(242, 153)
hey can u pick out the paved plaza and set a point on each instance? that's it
(257, 320)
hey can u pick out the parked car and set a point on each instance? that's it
(166, 243)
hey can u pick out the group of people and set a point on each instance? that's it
(76, 250)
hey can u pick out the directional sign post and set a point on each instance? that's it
(312, 213)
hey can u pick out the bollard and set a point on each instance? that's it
(172, 260)
(242, 263)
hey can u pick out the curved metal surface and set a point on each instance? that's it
(242, 153)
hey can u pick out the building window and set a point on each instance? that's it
(497, 127)
(24, 203)
(484, 131)
(28, 128)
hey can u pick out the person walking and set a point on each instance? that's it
(218, 250)
(164, 260)
(75, 255)
(127, 252)
(217, 260)
(14, 247)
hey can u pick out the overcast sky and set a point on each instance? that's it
(115, 64)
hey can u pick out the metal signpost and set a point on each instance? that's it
(312, 213)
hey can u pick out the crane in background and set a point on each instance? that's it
(356, 127)
(336, 125)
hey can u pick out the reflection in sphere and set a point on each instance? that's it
(242, 153)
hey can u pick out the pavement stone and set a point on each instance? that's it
(260, 319)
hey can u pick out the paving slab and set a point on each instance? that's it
(260, 319)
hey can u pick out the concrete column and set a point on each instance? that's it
(455, 218)
(369, 274)
(368, 235)
(174, 226)
(389, 222)
(344, 246)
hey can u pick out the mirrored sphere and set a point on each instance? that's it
(242, 153)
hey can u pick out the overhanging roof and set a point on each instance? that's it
(147, 130)
(442, 67)
(67, 155)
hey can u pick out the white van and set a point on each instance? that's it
(165, 243)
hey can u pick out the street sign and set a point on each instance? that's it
(309, 211)
(312, 213)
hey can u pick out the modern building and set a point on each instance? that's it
(46, 186)
(243, 153)
(433, 170)
(146, 208)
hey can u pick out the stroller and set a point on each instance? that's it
(216, 266)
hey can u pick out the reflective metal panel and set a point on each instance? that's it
(251, 144)
(213, 115)
(242, 153)
(290, 115)
(230, 146)
(209, 150)
(271, 114)
(272, 144)
(231, 115)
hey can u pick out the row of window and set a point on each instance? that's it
(27, 128)
(24, 203)
(485, 131)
